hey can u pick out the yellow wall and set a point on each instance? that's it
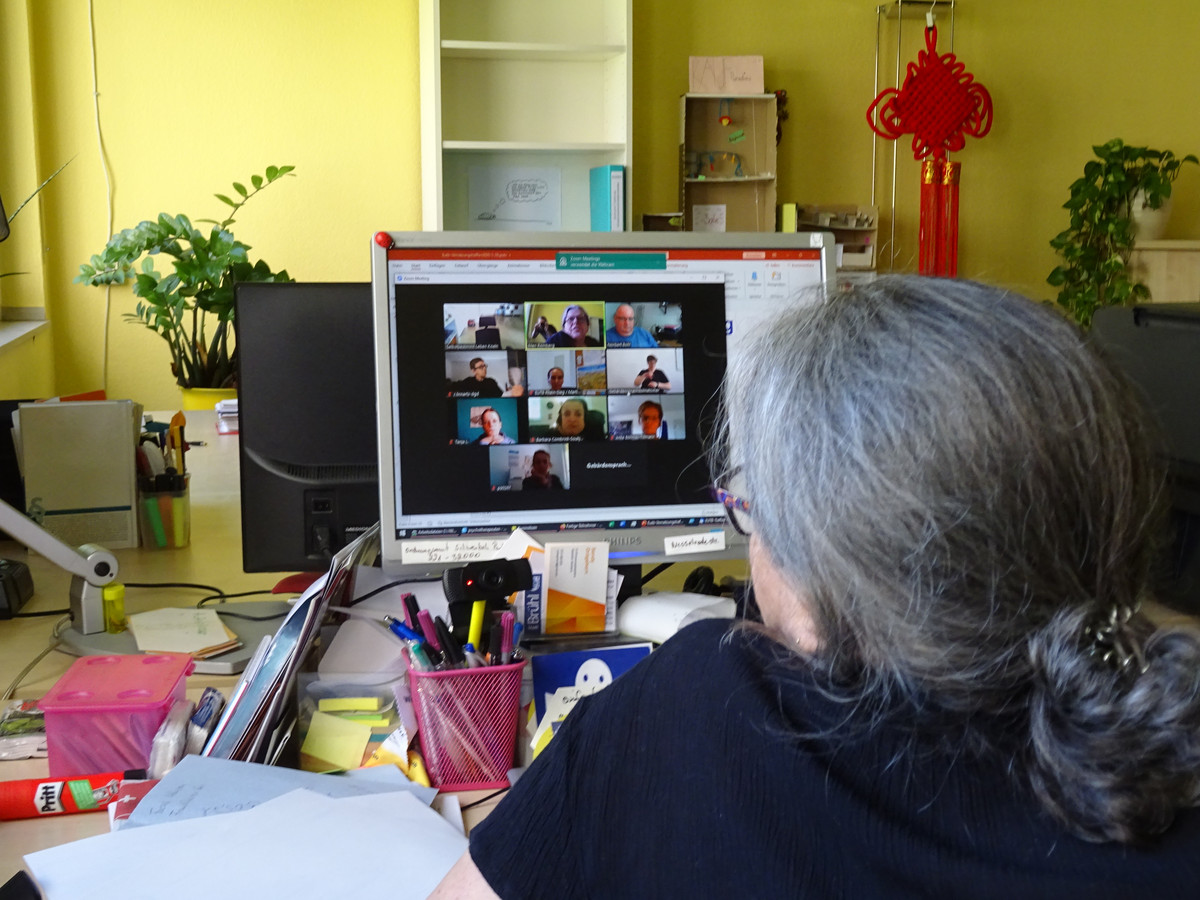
(1063, 76)
(194, 96)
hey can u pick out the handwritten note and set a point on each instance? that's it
(205, 786)
(711, 542)
(708, 217)
(450, 551)
(514, 198)
(725, 74)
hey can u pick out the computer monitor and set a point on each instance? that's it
(306, 411)
(482, 386)
(1158, 347)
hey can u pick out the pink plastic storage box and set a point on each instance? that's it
(102, 715)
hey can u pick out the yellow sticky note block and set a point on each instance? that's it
(368, 719)
(348, 704)
(336, 740)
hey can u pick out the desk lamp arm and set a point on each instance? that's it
(91, 566)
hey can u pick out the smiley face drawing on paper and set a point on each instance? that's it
(593, 675)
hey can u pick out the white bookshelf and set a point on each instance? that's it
(540, 83)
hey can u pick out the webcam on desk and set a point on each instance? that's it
(491, 581)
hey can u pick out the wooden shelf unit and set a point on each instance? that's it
(1171, 269)
(738, 174)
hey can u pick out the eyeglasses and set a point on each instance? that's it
(479, 366)
(734, 505)
(576, 319)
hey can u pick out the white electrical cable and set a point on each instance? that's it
(11, 690)
(107, 184)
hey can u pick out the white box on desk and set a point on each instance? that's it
(78, 463)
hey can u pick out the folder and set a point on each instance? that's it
(608, 198)
(80, 474)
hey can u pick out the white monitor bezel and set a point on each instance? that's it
(390, 546)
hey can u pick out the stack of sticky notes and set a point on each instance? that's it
(342, 729)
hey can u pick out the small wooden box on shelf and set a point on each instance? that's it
(727, 159)
(855, 231)
(1171, 269)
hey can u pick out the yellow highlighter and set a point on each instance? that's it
(475, 632)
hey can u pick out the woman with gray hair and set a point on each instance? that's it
(954, 689)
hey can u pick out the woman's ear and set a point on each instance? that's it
(783, 603)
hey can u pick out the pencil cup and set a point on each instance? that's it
(164, 512)
(467, 723)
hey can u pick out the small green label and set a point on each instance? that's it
(575, 261)
(82, 794)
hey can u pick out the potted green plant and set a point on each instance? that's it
(191, 308)
(1095, 248)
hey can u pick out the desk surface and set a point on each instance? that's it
(213, 558)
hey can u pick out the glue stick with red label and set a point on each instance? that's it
(32, 797)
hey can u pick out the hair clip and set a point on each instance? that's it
(1110, 641)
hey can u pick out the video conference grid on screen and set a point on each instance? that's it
(533, 390)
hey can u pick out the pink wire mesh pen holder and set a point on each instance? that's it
(467, 723)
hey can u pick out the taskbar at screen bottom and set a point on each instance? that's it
(535, 529)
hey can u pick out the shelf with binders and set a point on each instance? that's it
(534, 84)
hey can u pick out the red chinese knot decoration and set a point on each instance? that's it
(939, 104)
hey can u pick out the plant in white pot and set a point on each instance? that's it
(192, 307)
(1095, 248)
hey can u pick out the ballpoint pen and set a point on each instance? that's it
(411, 611)
(493, 656)
(474, 660)
(451, 651)
(416, 646)
(425, 620)
(507, 620)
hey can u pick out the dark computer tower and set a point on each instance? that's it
(306, 409)
(1158, 348)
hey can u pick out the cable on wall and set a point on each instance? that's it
(107, 184)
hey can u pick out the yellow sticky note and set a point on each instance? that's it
(369, 719)
(348, 704)
(336, 740)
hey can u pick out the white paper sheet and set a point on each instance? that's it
(298, 845)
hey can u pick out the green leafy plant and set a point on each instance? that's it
(1095, 249)
(178, 306)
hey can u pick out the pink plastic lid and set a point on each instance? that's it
(105, 683)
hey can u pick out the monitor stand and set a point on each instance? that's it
(250, 632)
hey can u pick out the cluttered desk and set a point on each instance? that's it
(176, 578)
(212, 559)
(571, 462)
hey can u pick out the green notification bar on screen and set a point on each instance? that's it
(567, 262)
